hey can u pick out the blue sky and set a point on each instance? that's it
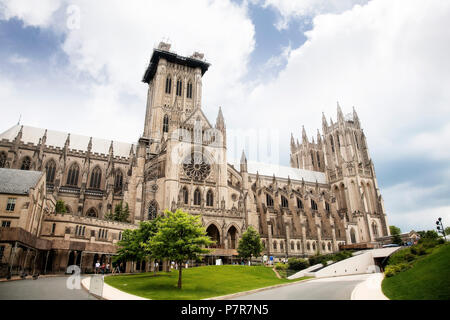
(276, 64)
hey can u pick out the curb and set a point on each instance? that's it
(17, 278)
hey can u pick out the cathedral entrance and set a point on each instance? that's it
(214, 234)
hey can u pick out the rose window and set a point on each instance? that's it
(197, 169)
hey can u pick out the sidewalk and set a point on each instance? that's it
(370, 289)
(110, 293)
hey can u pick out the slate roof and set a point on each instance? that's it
(267, 169)
(58, 139)
(19, 182)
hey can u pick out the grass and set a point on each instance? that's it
(428, 279)
(198, 283)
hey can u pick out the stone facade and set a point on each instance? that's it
(329, 196)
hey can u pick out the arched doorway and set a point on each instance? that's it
(231, 237)
(214, 234)
(352, 235)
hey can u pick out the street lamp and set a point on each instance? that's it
(440, 226)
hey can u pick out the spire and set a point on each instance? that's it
(220, 122)
(340, 115)
(111, 149)
(44, 137)
(292, 143)
(355, 118)
(89, 148)
(319, 137)
(132, 151)
(67, 143)
(19, 135)
(243, 162)
(324, 123)
(304, 136)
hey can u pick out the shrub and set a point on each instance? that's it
(418, 250)
(392, 270)
(342, 255)
(428, 243)
(297, 264)
(281, 266)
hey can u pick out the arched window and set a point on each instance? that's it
(292, 245)
(269, 200)
(50, 167)
(329, 246)
(26, 164)
(84, 229)
(118, 181)
(72, 177)
(179, 87)
(299, 203)
(91, 213)
(327, 207)
(352, 235)
(356, 139)
(284, 202)
(323, 246)
(338, 140)
(197, 197)
(313, 205)
(275, 245)
(2, 160)
(189, 91)
(96, 177)
(318, 159)
(332, 143)
(298, 245)
(312, 158)
(168, 85)
(53, 228)
(375, 229)
(281, 245)
(166, 123)
(314, 246)
(308, 246)
(209, 198)
(152, 210)
(185, 196)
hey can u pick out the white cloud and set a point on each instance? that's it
(35, 13)
(290, 9)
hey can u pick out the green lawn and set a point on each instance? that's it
(428, 279)
(198, 283)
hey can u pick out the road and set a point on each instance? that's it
(51, 288)
(337, 288)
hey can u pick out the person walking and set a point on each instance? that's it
(97, 266)
(107, 268)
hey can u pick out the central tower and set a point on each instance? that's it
(174, 91)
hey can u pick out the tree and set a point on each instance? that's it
(180, 237)
(395, 233)
(130, 248)
(447, 231)
(120, 214)
(60, 207)
(250, 244)
(133, 247)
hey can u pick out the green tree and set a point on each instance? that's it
(130, 248)
(395, 233)
(121, 213)
(133, 247)
(250, 244)
(180, 237)
(447, 231)
(60, 207)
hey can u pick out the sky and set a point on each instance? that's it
(276, 65)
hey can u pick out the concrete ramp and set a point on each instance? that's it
(359, 264)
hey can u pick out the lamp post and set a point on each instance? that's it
(440, 227)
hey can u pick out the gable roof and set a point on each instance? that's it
(197, 112)
(268, 170)
(58, 139)
(19, 182)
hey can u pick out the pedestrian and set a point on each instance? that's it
(107, 268)
(103, 268)
(97, 266)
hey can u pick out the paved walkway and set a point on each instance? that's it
(370, 289)
(48, 288)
